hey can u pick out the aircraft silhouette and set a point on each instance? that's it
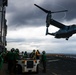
(64, 31)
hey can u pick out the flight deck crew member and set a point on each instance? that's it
(25, 54)
(33, 55)
(43, 60)
(1, 62)
(17, 54)
(11, 60)
(37, 54)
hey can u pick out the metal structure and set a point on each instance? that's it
(64, 31)
(3, 26)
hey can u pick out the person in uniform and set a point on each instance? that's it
(37, 54)
(1, 61)
(25, 54)
(17, 53)
(43, 60)
(11, 60)
(33, 55)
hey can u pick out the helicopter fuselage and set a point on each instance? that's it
(65, 32)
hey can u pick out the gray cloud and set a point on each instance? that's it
(61, 5)
(29, 15)
(10, 40)
(24, 13)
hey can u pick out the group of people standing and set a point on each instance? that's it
(10, 58)
(14, 54)
(42, 57)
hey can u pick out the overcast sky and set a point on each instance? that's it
(27, 26)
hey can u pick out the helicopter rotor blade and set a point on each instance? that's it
(46, 30)
(46, 11)
(60, 11)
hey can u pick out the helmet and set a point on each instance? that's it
(17, 50)
(12, 49)
(43, 52)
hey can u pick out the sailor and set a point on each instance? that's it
(1, 61)
(43, 60)
(11, 60)
(33, 54)
(37, 54)
(17, 53)
(25, 54)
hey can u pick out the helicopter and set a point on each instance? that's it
(64, 31)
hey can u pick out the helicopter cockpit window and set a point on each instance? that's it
(73, 26)
(68, 27)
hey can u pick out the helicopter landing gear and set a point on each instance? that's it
(67, 38)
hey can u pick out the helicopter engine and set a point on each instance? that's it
(48, 18)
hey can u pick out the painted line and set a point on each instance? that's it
(53, 60)
(54, 73)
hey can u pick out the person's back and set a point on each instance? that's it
(43, 57)
(43, 60)
(25, 55)
(11, 56)
(11, 61)
(37, 54)
(17, 54)
(33, 54)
